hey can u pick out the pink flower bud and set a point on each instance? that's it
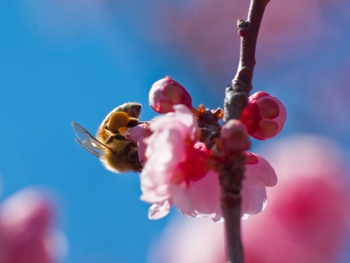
(165, 93)
(234, 136)
(264, 116)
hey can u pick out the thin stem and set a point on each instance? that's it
(232, 173)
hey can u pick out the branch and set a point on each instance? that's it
(232, 173)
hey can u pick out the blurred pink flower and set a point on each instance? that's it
(165, 93)
(207, 32)
(308, 215)
(25, 229)
(307, 219)
(187, 241)
(177, 173)
(264, 116)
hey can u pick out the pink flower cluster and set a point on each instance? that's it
(177, 166)
(307, 219)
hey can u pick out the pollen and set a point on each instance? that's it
(118, 120)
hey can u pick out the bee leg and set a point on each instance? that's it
(127, 149)
(131, 152)
(134, 155)
(109, 139)
(117, 137)
(139, 168)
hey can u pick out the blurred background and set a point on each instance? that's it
(75, 60)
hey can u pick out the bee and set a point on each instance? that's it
(119, 120)
(116, 153)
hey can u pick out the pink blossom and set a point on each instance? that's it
(137, 135)
(25, 229)
(307, 218)
(177, 172)
(165, 93)
(264, 116)
(174, 162)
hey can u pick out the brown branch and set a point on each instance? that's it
(232, 173)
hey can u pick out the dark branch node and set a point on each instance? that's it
(210, 128)
(242, 27)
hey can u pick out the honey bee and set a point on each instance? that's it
(116, 153)
(119, 120)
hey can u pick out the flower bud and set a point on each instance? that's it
(165, 93)
(264, 116)
(234, 137)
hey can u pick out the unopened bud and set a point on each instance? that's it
(165, 93)
(234, 137)
(264, 116)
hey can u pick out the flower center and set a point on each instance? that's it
(194, 167)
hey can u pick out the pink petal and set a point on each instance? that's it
(137, 135)
(159, 210)
(262, 170)
(253, 197)
(182, 120)
(205, 196)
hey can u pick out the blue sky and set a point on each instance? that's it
(60, 64)
(46, 82)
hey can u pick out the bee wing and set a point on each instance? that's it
(89, 142)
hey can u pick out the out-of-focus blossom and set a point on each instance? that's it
(307, 219)
(308, 213)
(177, 172)
(206, 31)
(165, 93)
(26, 233)
(189, 241)
(264, 116)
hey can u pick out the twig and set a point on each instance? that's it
(236, 99)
